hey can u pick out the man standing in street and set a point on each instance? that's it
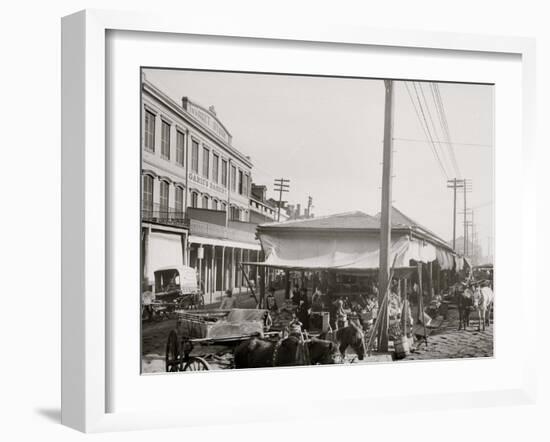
(228, 301)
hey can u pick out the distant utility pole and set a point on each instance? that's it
(454, 184)
(473, 237)
(469, 241)
(281, 185)
(385, 221)
(466, 188)
(468, 223)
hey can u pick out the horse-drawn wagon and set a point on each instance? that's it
(206, 327)
(174, 288)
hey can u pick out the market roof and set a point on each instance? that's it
(357, 220)
(347, 220)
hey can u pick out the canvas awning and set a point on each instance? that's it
(195, 239)
(165, 251)
(348, 253)
(445, 259)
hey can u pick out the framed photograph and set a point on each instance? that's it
(248, 210)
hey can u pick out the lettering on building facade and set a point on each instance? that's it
(208, 184)
(209, 121)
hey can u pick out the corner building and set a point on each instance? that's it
(196, 189)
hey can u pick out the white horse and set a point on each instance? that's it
(483, 300)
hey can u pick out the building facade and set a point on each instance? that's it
(261, 209)
(196, 189)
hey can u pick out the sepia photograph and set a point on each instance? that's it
(296, 220)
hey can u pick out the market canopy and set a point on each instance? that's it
(340, 253)
(349, 242)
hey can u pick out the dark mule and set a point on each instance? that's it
(257, 352)
(351, 336)
(464, 298)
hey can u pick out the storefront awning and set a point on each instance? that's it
(223, 242)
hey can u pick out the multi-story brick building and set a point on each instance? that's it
(196, 189)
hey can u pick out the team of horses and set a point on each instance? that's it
(295, 350)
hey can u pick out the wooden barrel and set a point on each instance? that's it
(401, 347)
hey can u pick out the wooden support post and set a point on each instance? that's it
(232, 281)
(223, 270)
(249, 285)
(430, 281)
(421, 303)
(261, 271)
(287, 284)
(406, 309)
(385, 220)
(213, 275)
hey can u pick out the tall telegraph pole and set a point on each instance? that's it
(281, 185)
(454, 184)
(385, 237)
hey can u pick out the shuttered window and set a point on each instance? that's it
(165, 141)
(149, 131)
(180, 148)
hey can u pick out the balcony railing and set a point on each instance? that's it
(168, 216)
(236, 231)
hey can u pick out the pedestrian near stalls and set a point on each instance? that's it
(228, 301)
(296, 295)
(303, 309)
(317, 301)
(271, 302)
(340, 314)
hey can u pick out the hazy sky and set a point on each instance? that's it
(325, 135)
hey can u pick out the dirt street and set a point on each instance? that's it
(447, 342)
(444, 342)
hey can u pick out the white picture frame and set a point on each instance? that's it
(86, 202)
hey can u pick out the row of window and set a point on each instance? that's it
(164, 208)
(262, 208)
(240, 182)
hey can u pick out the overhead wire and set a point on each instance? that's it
(445, 125)
(424, 125)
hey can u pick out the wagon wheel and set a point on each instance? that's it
(195, 363)
(173, 360)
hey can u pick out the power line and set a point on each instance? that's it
(428, 130)
(485, 204)
(444, 124)
(428, 112)
(415, 140)
(425, 129)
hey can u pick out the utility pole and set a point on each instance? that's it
(468, 251)
(385, 236)
(281, 185)
(467, 187)
(473, 238)
(454, 184)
